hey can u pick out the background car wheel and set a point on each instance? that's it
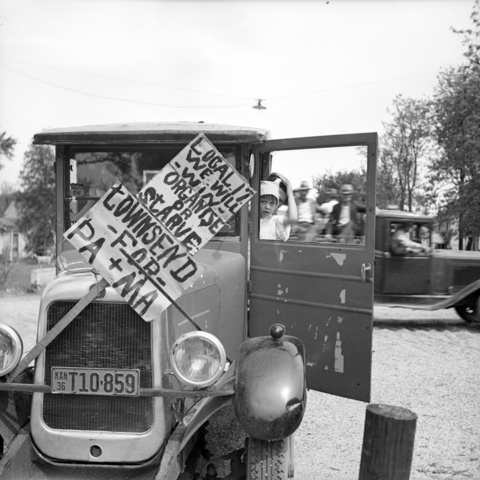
(469, 314)
(270, 460)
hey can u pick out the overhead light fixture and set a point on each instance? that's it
(259, 105)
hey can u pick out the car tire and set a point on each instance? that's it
(270, 460)
(468, 313)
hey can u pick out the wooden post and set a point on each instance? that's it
(387, 443)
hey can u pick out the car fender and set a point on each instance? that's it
(182, 438)
(15, 408)
(469, 295)
(270, 388)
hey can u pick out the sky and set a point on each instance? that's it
(320, 67)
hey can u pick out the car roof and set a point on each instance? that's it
(153, 132)
(405, 216)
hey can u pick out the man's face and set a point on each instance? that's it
(347, 196)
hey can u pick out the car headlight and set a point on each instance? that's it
(198, 359)
(11, 349)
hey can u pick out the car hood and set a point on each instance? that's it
(456, 254)
(76, 276)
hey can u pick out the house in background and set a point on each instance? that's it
(447, 227)
(12, 242)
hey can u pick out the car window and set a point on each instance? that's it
(329, 188)
(419, 232)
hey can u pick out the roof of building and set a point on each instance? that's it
(9, 218)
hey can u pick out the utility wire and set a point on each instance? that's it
(352, 86)
(31, 77)
(191, 90)
(139, 82)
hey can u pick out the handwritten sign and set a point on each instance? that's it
(196, 194)
(144, 246)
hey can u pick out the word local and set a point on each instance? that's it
(198, 191)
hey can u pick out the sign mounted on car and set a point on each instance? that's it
(144, 245)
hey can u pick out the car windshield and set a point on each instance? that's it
(92, 173)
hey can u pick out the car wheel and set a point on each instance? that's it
(270, 460)
(468, 313)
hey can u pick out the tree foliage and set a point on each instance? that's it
(404, 150)
(457, 131)
(36, 201)
(356, 178)
(7, 145)
(388, 192)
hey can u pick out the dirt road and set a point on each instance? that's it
(426, 362)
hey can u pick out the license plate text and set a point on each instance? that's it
(97, 381)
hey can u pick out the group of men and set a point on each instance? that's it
(338, 217)
(287, 213)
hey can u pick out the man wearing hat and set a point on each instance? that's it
(306, 226)
(344, 219)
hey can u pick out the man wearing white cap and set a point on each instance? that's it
(306, 228)
(275, 227)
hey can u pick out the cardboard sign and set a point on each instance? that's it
(143, 245)
(196, 194)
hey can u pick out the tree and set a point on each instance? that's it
(456, 171)
(7, 145)
(36, 201)
(457, 130)
(404, 150)
(356, 178)
(471, 38)
(388, 191)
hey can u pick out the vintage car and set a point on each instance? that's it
(106, 394)
(431, 280)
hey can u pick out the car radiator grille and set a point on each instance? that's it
(104, 335)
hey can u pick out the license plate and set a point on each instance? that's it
(95, 381)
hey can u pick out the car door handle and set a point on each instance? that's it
(366, 272)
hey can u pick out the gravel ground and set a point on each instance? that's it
(426, 362)
(430, 366)
(21, 312)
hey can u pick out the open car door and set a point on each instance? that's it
(319, 284)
